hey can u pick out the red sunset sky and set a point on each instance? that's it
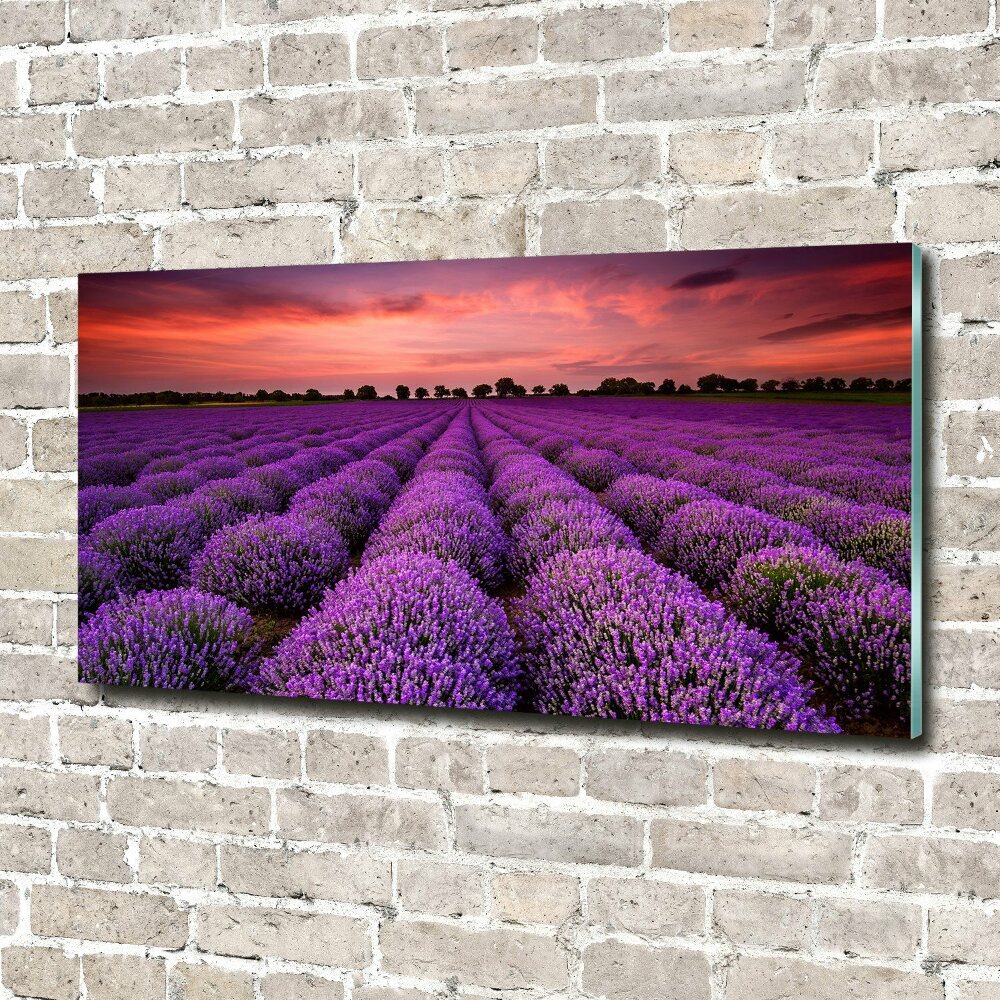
(765, 313)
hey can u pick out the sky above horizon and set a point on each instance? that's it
(780, 313)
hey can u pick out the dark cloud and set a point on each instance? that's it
(706, 279)
(841, 323)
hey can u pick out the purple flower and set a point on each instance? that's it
(177, 639)
(282, 564)
(95, 503)
(165, 486)
(595, 468)
(610, 633)
(645, 502)
(403, 629)
(99, 579)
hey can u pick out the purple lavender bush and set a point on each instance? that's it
(645, 502)
(95, 503)
(281, 564)
(178, 639)
(98, 579)
(404, 629)
(594, 468)
(611, 633)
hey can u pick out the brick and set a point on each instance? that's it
(901, 77)
(963, 934)
(63, 79)
(25, 620)
(766, 978)
(595, 34)
(283, 11)
(765, 218)
(309, 59)
(178, 748)
(97, 740)
(933, 864)
(868, 929)
(247, 242)
(504, 959)
(34, 138)
(96, 19)
(603, 161)
(154, 129)
(402, 174)
(717, 24)
(782, 786)
(628, 225)
(207, 982)
(25, 849)
(26, 676)
(349, 877)
(952, 213)
(10, 908)
(751, 850)
(966, 726)
(359, 114)
(67, 617)
(53, 445)
(9, 97)
(142, 74)
(68, 250)
(762, 919)
(8, 196)
(39, 380)
(967, 800)
(937, 143)
(961, 367)
(391, 821)
(13, 443)
(984, 990)
(25, 738)
(446, 764)
(142, 187)
(390, 993)
(809, 22)
(40, 22)
(440, 888)
(233, 66)
(40, 505)
(914, 18)
(623, 970)
(189, 806)
(347, 758)
(110, 977)
(410, 50)
(63, 318)
(315, 177)
(505, 104)
(706, 91)
(823, 152)
(115, 917)
(957, 658)
(966, 518)
(537, 770)
(462, 230)
(289, 986)
(316, 938)
(972, 443)
(963, 593)
(548, 835)
(646, 906)
(93, 854)
(971, 286)
(534, 897)
(45, 973)
(173, 862)
(871, 794)
(266, 753)
(659, 778)
(510, 41)
(23, 318)
(47, 795)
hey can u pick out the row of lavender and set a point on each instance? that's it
(614, 564)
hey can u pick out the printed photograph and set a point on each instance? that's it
(667, 487)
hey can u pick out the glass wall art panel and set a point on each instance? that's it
(667, 487)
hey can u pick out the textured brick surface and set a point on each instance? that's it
(156, 846)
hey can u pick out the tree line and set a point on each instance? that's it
(507, 388)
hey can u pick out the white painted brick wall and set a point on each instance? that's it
(161, 846)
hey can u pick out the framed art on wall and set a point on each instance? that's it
(672, 487)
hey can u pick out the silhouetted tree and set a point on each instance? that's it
(836, 384)
(348, 394)
(771, 385)
(260, 394)
(519, 392)
(560, 389)
(791, 385)
(482, 390)
(710, 383)
(667, 387)
(505, 387)
(903, 385)
(459, 393)
(367, 392)
(402, 392)
(883, 385)
(684, 389)
(861, 384)
(815, 384)
(440, 392)
(537, 390)
(421, 392)
(748, 385)
(312, 394)
(728, 384)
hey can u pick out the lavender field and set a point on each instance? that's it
(718, 563)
